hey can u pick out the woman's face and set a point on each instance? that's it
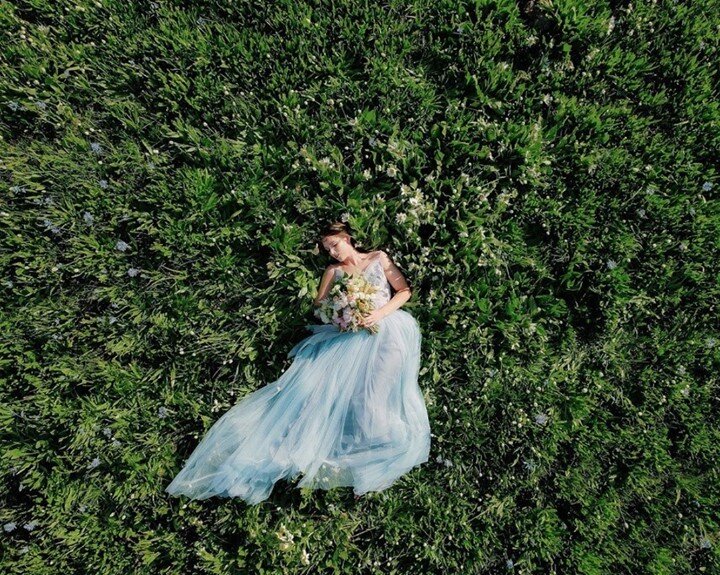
(335, 246)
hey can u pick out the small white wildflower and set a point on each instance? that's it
(391, 171)
(121, 245)
(162, 411)
(541, 419)
(707, 186)
(611, 264)
(132, 272)
(94, 463)
(345, 217)
(88, 217)
(10, 526)
(30, 525)
(611, 25)
(284, 535)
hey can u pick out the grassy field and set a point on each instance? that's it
(544, 173)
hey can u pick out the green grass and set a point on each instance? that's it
(546, 177)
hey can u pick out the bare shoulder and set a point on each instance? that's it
(383, 257)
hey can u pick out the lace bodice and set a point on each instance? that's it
(375, 274)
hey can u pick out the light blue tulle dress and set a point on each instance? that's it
(348, 411)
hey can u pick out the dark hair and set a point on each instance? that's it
(338, 229)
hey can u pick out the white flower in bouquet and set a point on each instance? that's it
(323, 316)
(349, 301)
(340, 302)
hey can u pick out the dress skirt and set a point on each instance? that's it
(348, 411)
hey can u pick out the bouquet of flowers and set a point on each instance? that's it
(350, 299)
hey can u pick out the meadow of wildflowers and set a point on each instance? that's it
(545, 173)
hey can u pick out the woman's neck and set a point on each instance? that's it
(354, 259)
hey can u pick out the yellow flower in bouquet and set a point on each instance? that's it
(349, 301)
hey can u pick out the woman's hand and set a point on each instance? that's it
(372, 318)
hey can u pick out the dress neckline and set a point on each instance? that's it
(367, 267)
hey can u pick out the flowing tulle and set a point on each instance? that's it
(348, 411)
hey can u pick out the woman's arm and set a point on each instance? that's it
(324, 285)
(398, 282)
(400, 297)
